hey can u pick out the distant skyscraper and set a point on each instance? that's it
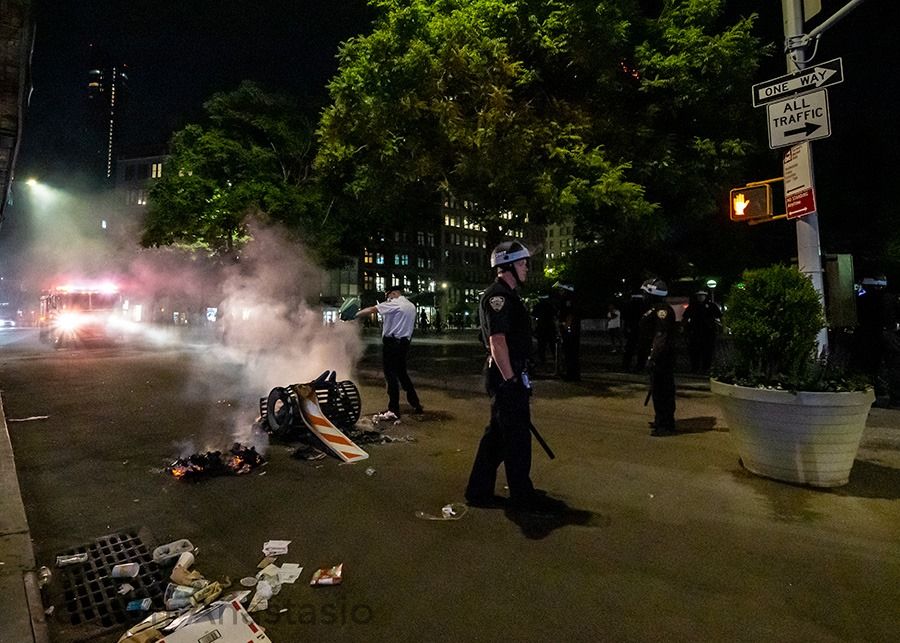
(107, 92)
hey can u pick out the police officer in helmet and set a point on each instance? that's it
(506, 333)
(657, 338)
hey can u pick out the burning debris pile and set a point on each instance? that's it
(238, 461)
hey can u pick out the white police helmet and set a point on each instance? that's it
(508, 252)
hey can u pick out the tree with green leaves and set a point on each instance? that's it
(253, 157)
(618, 114)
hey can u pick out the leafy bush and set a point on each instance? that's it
(773, 317)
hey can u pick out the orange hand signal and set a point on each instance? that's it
(740, 204)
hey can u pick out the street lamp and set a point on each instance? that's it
(42, 193)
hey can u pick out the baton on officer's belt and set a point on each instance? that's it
(540, 439)
(649, 395)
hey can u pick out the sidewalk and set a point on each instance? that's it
(21, 612)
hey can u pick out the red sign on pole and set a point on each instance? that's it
(799, 189)
(801, 203)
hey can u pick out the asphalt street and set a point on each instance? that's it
(666, 539)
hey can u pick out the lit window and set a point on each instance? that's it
(431, 240)
(368, 257)
(379, 259)
(156, 170)
(404, 260)
(379, 283)
(420, 238)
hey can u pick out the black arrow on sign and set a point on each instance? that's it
(806, 130)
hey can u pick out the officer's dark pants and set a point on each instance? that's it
(702, 347)
(395, 352)
(662, 381)
(507, 439)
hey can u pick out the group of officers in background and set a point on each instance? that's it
(649, 328)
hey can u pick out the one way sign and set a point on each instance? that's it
(811, 79)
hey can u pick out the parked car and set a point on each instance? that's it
(7, 323)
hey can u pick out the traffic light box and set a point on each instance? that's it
(751, 202)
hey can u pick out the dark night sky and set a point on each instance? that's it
(179, 53)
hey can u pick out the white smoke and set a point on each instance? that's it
(270, 323)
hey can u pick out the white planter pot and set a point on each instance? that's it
(807, 438)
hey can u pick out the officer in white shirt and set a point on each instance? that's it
(398, 315)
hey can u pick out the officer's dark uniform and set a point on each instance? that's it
(507, 438)
(632, 312)
(701, 321)
(658, 340)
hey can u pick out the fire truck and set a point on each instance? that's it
(74, 314)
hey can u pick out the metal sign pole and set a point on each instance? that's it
(809, 252)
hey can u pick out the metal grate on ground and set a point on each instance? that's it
(89, 592)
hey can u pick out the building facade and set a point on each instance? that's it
(442, 262)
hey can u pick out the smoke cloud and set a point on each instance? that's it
(269, 329)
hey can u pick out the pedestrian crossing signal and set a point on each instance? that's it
(751, 202)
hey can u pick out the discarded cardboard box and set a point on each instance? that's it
(223, 623)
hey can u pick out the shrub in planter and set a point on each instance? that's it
(792, 417)
(773, 318)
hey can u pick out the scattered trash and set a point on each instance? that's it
(178, 596)
(275, 547)
(222, 621)
(265, 562)
(182, 574)
(328, 575)
(269, 576)
(386, 416)
(208, 594)
(260, 600)
(238, 461)
(452, 511)
(124, 588)
(29, 419)
(126, 570)
(248, 581)
(370, 472)
(140, 605)
(71, 559)
(44, 575)
(289, 573)
(165, 553)
(49, 611)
